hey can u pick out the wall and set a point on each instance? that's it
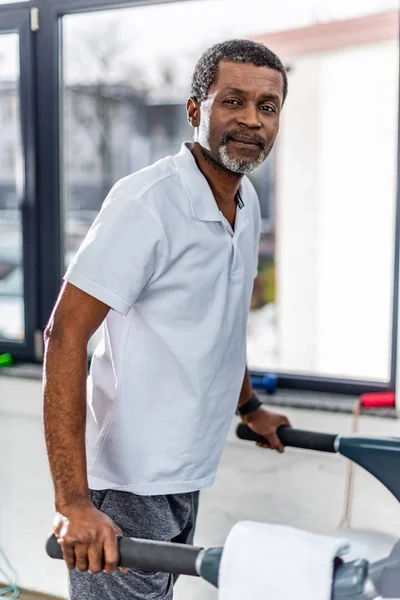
(26, 506)
(336, 188)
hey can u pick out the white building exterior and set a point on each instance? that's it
(335, 199)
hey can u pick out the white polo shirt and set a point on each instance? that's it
(165, 382)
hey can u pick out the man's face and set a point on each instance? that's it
(238, 122)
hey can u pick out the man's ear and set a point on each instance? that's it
(193, 112)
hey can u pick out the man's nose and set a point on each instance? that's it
(250, 117)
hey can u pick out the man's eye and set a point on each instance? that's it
(268, 108)
(231, 101)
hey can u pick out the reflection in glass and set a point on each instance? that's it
(322, 301)
(11, 270)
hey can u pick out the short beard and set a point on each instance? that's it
(239, 166)
(236, 165)
(224, 161)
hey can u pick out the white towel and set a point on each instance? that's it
(275, 562)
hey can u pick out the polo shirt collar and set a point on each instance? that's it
(203, 204)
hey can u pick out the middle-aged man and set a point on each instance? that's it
(168, 266)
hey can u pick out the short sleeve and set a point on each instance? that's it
(122, 250)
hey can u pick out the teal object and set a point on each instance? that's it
(209, 565)
(378, 456)
(11, 590)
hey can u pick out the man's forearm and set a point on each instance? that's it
(246, 391)
(64, 406)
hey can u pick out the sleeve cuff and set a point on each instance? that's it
(93, 289)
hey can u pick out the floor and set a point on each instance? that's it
(300, 488)
(25, 595)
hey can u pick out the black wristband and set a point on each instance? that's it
(250, 406)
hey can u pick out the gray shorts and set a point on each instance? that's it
(170, 518)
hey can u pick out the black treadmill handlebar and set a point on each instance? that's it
(147, 555)
(183, 559)
(296, 438)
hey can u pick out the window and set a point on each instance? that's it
(9, 158)
(322, 301)
(8, 108)
(12, 323)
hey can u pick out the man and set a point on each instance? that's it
(168, 265)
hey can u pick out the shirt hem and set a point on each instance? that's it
(153, 489)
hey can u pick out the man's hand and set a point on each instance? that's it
(266, 423)
(87, 537)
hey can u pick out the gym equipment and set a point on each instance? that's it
(366, 401)
(266, 382)
(371, 576)
(378, 400)
(6, 360)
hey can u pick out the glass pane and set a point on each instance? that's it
(322, 300)
(335, 201)
(11, 265)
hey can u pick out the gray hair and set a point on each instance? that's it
(239, 51)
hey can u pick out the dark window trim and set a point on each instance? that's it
(48, 173)
(12, 7)
(66, 7)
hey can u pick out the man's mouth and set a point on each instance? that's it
(246, 141)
